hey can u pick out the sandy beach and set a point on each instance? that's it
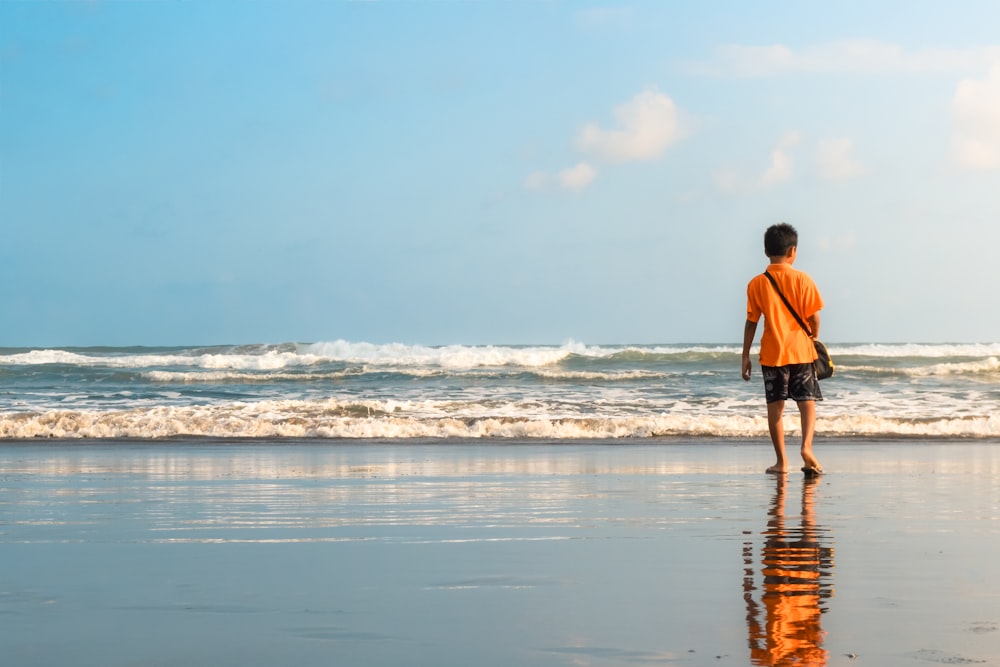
(497, 553)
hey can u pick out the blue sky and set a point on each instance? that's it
(527, 172)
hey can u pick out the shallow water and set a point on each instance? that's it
(455, 554)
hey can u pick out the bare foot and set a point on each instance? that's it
(811, 462)
(776, 470)
(812, 471)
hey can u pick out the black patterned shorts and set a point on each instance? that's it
(795, 381)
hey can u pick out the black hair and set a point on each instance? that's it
(779, 239)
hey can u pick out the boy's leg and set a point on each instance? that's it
(775, 410)
(807, 416)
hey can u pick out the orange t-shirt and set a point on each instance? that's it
(784, 341)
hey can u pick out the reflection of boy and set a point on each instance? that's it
(786, 351)
(796, 564)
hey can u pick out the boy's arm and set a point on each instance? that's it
(813, 322)
(749, 331)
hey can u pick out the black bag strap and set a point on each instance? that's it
(790, 309)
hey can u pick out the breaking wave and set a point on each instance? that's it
(386, 420)
(341, 389)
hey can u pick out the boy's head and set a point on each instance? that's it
(780, 239)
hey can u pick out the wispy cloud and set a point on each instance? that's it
(600, 17)
(779, 170)
(976, 109)
(836, 163)
(537, 180)
(834, 158)
(852, 57)
(578, 177)
(575, 178)
(846, 241)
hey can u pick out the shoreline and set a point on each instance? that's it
(664, 440)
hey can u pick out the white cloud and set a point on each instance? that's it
(576, 178)
(536, 180)
(646, 125)
(976, 108)
(852, 56)
(834, 157)
(730, 182)
(836, 162)
(780, 170)
(846, 241)
(789, 139)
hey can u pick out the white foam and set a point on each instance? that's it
(219, 377)
(266, 360)
(988, 365)
(876, 425)
(450, 356)
(917, 350)
(40, 357)
(401, 419)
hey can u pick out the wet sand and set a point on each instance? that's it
(486, 553)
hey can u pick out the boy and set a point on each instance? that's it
(786, 350)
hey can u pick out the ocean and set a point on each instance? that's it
(344, 389)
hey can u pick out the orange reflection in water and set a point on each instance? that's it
(796, 564)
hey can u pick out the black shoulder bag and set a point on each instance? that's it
(823, 363)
